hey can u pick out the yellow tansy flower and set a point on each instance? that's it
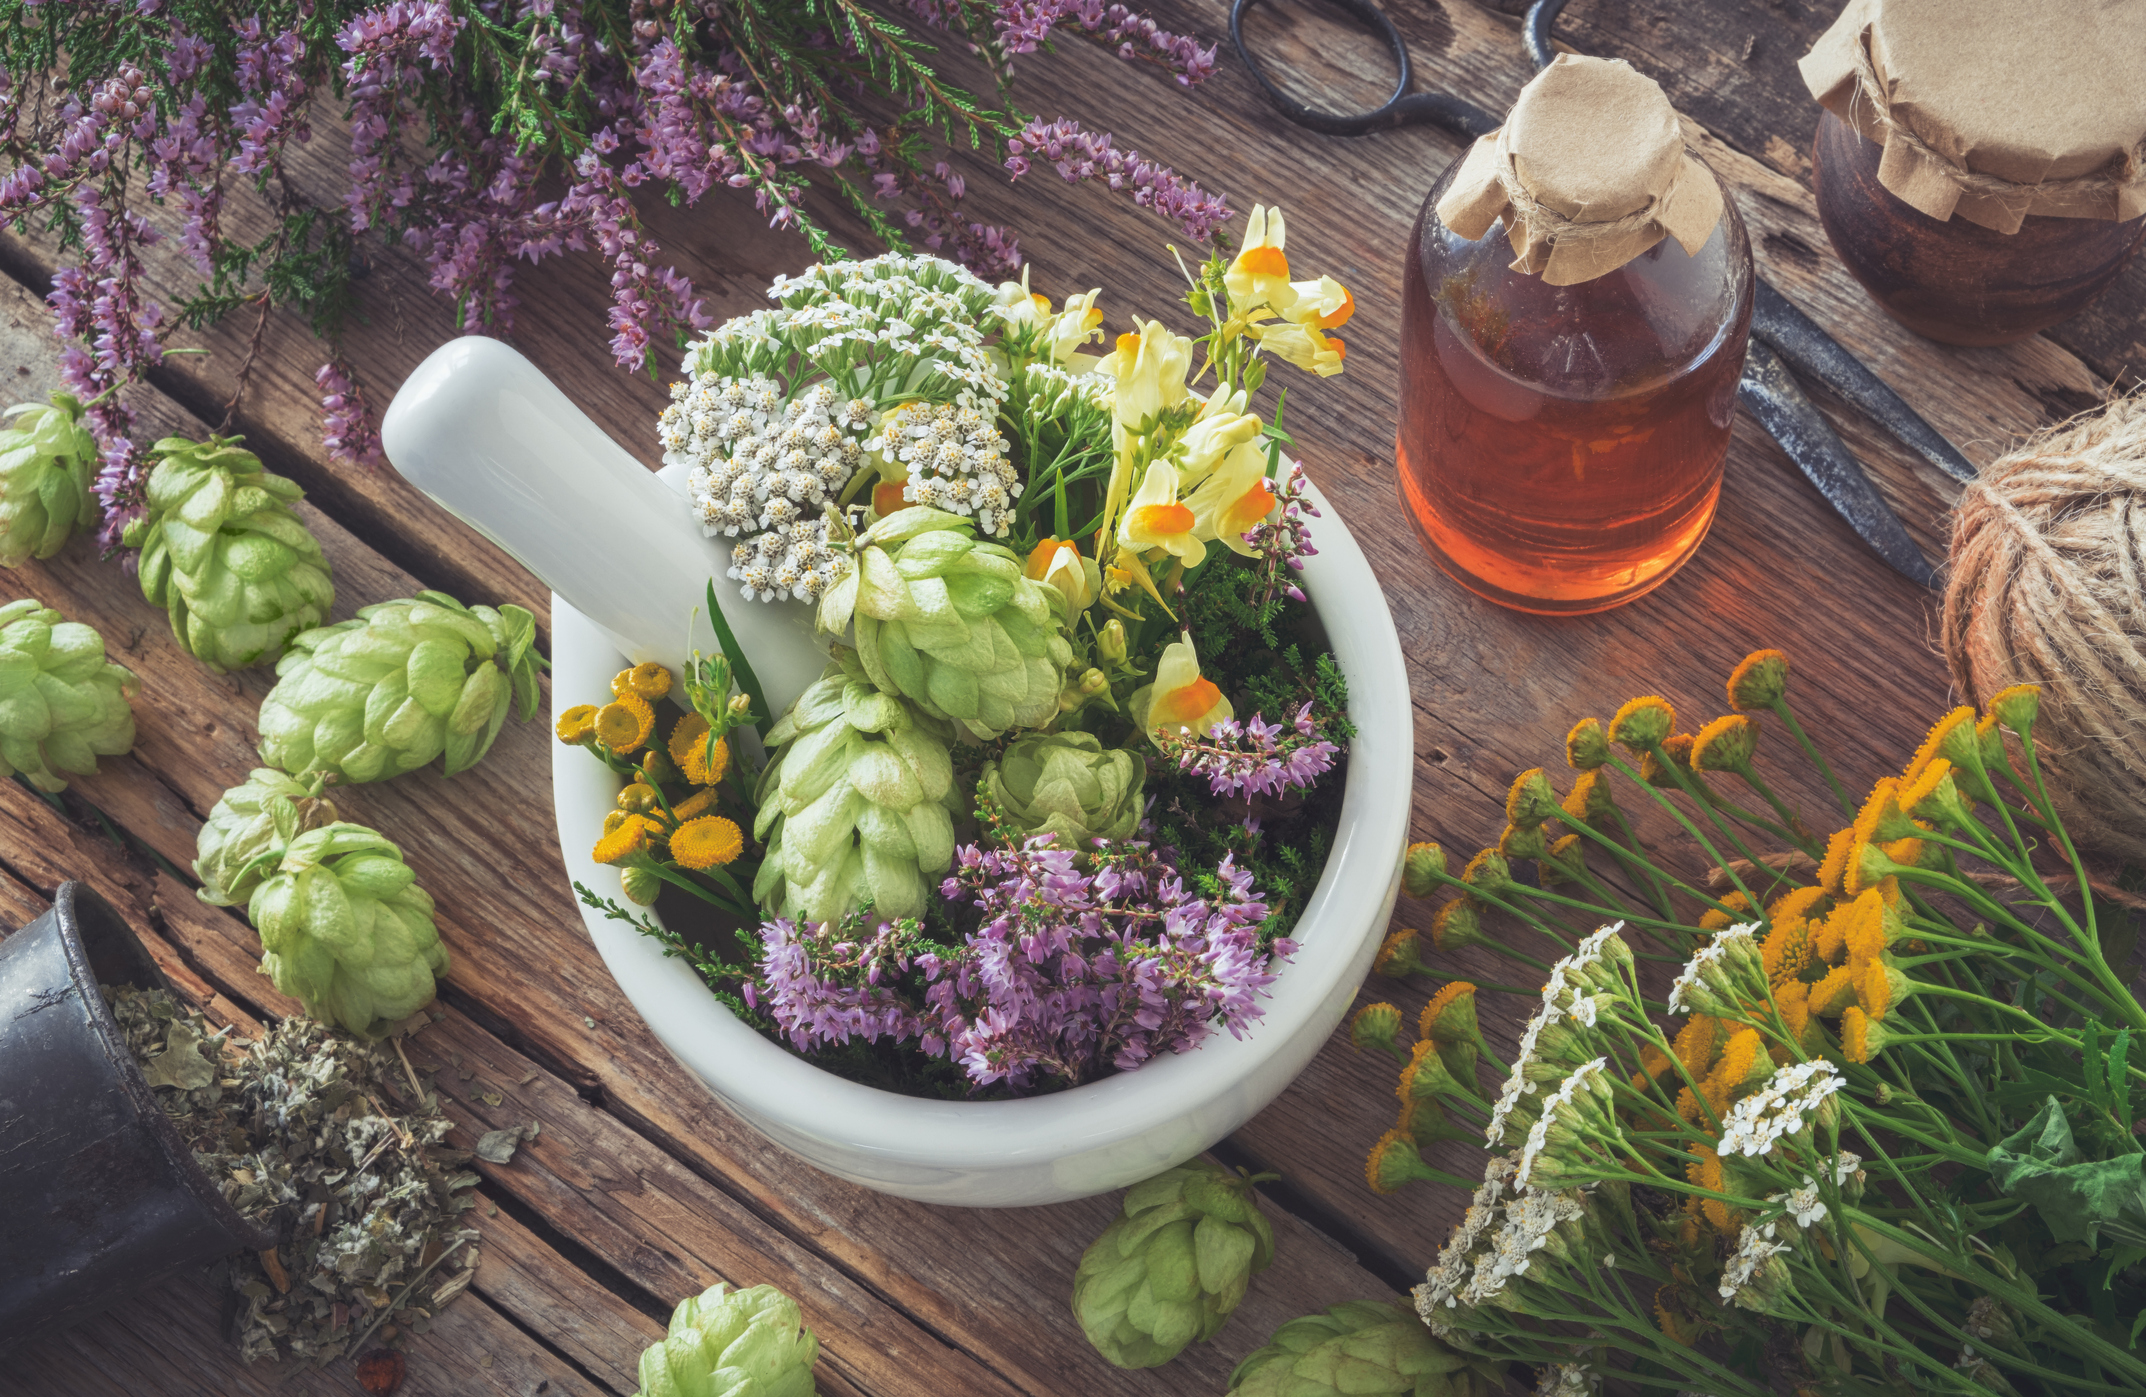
(1643, 723)
(1833, 871)
(689, 749)
(1940, 734)
(1450, 1016)
(624, 724)
(623, 838)
(1855, 1035)
(1705, 1172)
(1590, 800)
(1834, 993)
(706, 842)
(1734, 908)
(1585, 746)
(1785, 950)
(1759, 680)
(700, 803)
(577, 724)
(1725, 744)
(1696, 1044)
(648, 679)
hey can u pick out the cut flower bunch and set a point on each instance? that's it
(1878, 1134)
(1016, 836)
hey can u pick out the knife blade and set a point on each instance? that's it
(1811, 351)
(1810, 441)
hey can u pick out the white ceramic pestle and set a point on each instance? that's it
(482, 431)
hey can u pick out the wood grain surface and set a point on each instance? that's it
(640, 1189)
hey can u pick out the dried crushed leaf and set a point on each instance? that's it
(181, 1064)
(497, 1146)
(309, 1142)
(491, 1098)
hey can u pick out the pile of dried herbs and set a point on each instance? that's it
(300, 1131)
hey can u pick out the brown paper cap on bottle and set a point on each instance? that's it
(1995, 109)
(1589, 171)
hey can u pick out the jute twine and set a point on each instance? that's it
(1557, 228)
(1870, 89)
(2048, 587)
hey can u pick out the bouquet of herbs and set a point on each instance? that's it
(486, 133)
(1017, 835)
(1877, 1132)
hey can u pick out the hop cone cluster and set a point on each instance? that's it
(62, 703)
(852, 805)
(1068, 785)
(398, 685)
(345, 928)
(46, 458)
(1365, 1346)
(240, 841)
(1173, 1266)
(223, 552)
(952, 624)
(732, 1343)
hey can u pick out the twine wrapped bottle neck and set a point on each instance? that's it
(1559, 229)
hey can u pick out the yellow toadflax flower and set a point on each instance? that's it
(1058, 563)
(706, 842)
(1231, 502)
(1148, 368)
(1324, 304)
(577, 725)
(648, 679)
(624, 724)
(1155, 519)
(1181, 699)
(1258, 276)
(1305, 346)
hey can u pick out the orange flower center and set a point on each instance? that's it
(887, 497)
(1041, 557)
(1263, 261)
(1181, 708)
(1162, 520)
(1340, 316)
(1250, 508)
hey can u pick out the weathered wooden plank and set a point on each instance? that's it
(527, 1277)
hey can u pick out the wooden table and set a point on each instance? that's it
(640, 1189)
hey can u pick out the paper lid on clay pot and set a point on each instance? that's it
(1588, 172)
(1995, 109)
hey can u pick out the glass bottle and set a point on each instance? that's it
(1561, 447)
(1955, 280)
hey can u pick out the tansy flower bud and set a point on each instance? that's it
(1456, 925)
(1643, 724)
(1110, 642)
(637, 798)
(1421, 868)
(1400, 955)
(1674, 752)
(1759, 681)
(2017, 707)
(658, 768)
(1564, 862)
(1374, 1027)
(1585, 746)
(1487, 873)
(1394, 1163)
(641, 884)
(1518, 843)
(1531, 800)
(1726, 744)
(577, 725)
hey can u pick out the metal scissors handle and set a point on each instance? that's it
(1784, 337)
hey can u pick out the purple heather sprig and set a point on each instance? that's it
(347, 428)
(1079, 154)
(1284, 542)
(1022, 25)
(1084, 960)
(1255, 757)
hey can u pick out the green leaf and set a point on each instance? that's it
(2078, 1199)
(181, 1064)
(739, 665)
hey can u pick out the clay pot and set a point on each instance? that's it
(101, 1199)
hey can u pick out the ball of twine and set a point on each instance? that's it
(2048, 587)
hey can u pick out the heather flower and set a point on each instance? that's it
(1082, 963)
(1255, 757)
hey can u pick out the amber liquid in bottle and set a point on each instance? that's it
(1561, 447)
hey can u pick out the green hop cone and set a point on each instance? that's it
(62, 703)
(1365, 1346)
(46, 458)
(345, 928)
(732, 1343)
(398, 685)
(952, 624)
(248, 831)
(1173, 1266)
(224, 553)
(1067, 784)
(853, 803)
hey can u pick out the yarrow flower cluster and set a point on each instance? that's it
(1745, 1269)
(797, 559)
(1255, 757)
(1505, 1225)
(1707, 984)
(956, 461)
(755, 461)
(1593, 965)
(1083, 961)
(1778, 1108)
